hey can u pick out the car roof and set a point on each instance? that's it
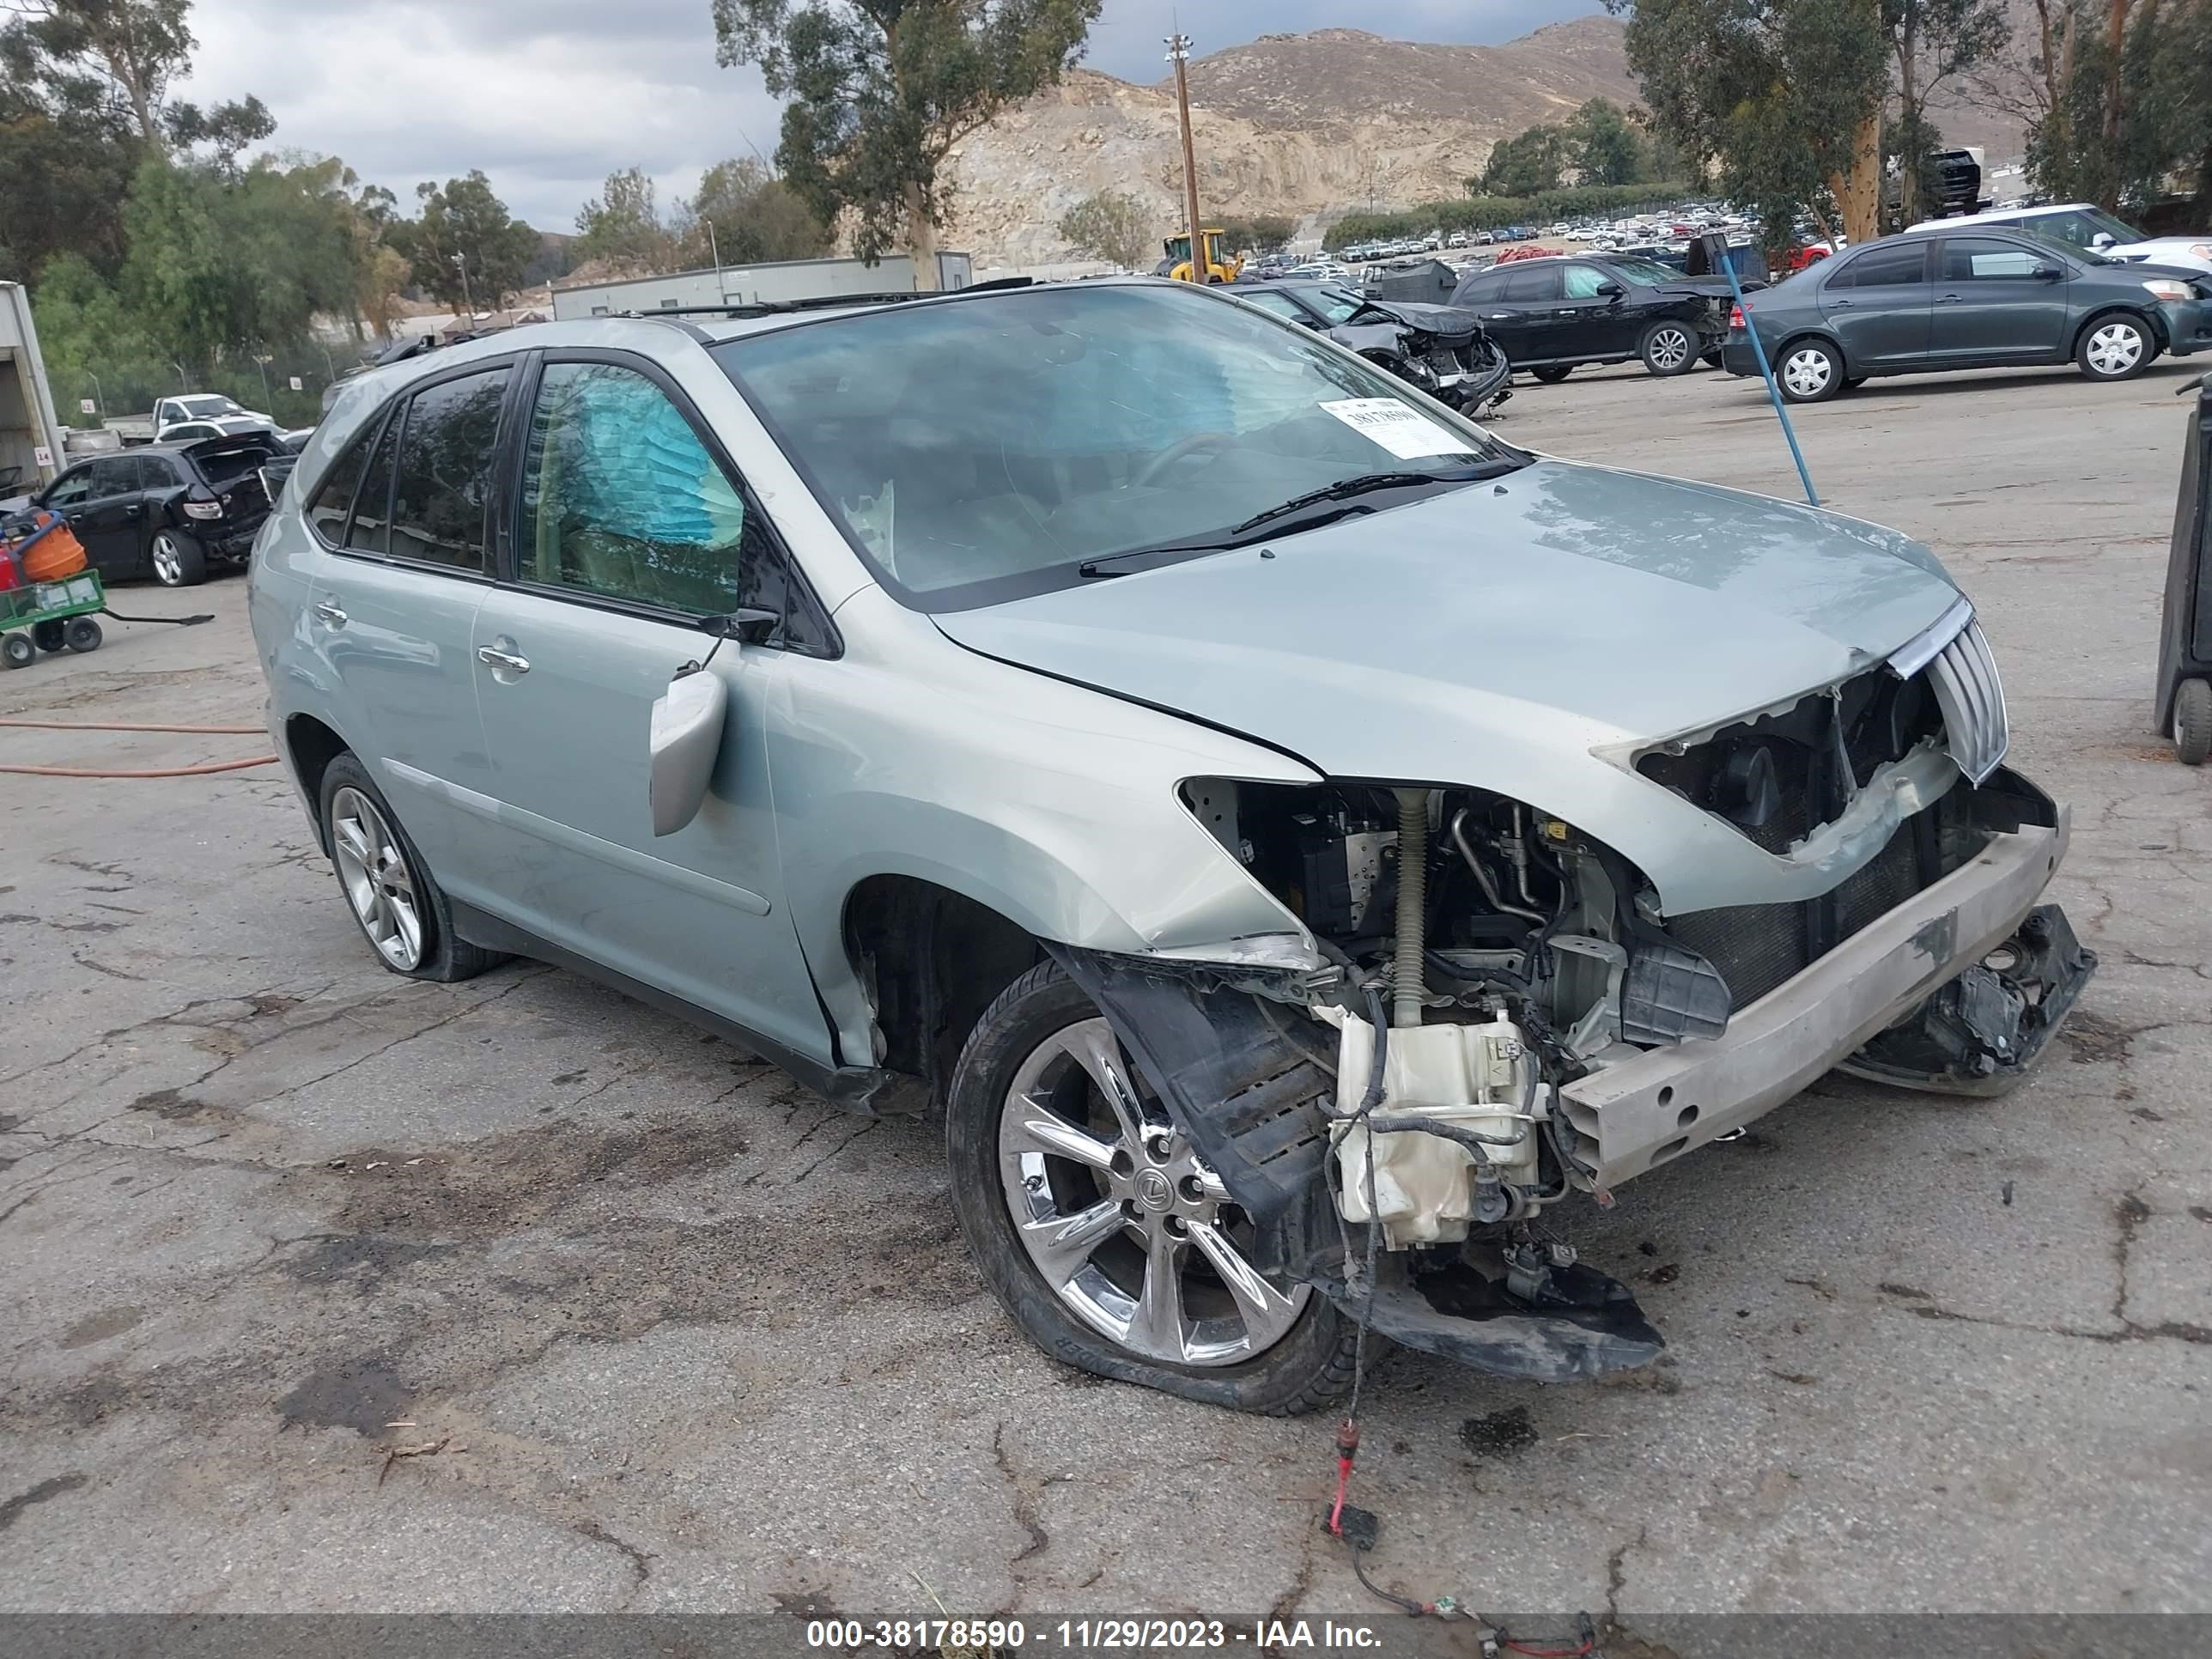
(1995, 215)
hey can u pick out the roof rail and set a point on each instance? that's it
(822, 301)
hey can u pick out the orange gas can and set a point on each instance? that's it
(53, 555)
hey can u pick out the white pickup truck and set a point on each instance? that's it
(191, 415)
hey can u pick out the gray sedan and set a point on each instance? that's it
(1969, 298)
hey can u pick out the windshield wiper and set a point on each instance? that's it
(1344, 489)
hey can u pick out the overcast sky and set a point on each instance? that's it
(549, 96)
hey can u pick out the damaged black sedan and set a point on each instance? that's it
(1442, 350)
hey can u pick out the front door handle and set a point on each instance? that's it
(1950, 299)
(506, 659)
(326, 611)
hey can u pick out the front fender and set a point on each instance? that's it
(1053, 805)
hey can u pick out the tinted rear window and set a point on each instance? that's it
(372, 513)
(327, 511)
(443, 485)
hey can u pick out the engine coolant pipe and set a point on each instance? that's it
(1408, 980)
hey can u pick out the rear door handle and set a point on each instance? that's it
(330, 613)
(506, 659)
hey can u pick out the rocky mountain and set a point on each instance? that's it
(1304, 124)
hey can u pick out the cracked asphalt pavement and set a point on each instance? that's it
(324, 1290)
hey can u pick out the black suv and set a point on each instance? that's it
(1553, 315)
(167, 511)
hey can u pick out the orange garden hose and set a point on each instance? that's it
(155, 772)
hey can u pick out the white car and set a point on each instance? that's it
(2083, 225)
(205, 414)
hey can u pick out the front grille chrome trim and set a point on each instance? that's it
(1964, 675)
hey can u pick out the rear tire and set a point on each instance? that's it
(1554, 374)
(2192, 722)
(2116, 346)
(178, 560)
(1026, 1062)
(400, 908)
(1809, 371)
(1668, 349)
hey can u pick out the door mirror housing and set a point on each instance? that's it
(2046, 272)
(686, 741)
(2103, 239)
(1610, 290)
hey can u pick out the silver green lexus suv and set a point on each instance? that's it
(1291, 835)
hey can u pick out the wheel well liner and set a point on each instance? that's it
(312, 746)
(931, 960)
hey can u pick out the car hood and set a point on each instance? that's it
(2179, 250)
(1432, 319)
(1564, 608)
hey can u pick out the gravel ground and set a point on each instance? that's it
(709, 1343)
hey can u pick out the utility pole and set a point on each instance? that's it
(1178, 46)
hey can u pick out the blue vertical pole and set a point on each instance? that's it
(1767, 370)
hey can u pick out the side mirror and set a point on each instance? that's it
(2103, 239)
(686, 740)
(1610, 290)
(2047, 273)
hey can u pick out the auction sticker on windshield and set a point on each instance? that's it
(1399, 428)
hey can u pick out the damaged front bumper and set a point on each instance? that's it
(1958, 989)
(1655, 1104)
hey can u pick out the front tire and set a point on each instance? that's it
(400, 908)
(1668, 349)
(49, 635)
(1112, 1245)
(1810, 372)
(82, 636)
(2115, 347)
(16, 650)
(179, 561)
(1553, 374)
(2192, 722)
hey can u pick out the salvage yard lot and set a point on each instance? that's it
(676, 1334)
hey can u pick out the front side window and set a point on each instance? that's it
(1645, 273)
(976, 449)
(622, 500)
(441, 482)
(1280, 304)
(70, 489)
(1969, 259)
(1584, 282)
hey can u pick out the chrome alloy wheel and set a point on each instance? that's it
(169, 563)
(1670, 349)
(2115, 349)
(378, 882)
(1135, 1235)
(1806, 372)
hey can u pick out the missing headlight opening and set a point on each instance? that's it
(1501, 938)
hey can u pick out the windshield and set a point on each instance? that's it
(201, 408)
(1644, 273)
(978, 450)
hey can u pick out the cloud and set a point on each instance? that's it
(550, 97)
